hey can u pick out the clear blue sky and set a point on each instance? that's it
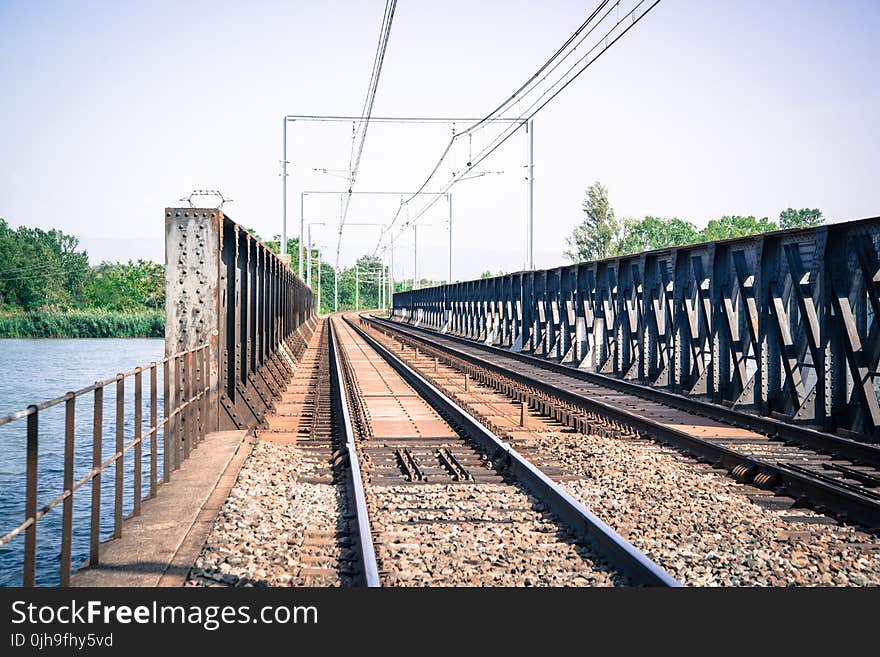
(113, 110)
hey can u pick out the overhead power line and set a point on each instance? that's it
(500, 109)
(360, 135)
(531, 82)
(25, 268)
(619, 27)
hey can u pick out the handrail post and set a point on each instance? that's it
(203, 392)
(154, 427)
(179, 429)
(138, 436)
(30, 504)
(97, 436)
(187, 406)
(67, 509)
(120, 455)
(167, 432)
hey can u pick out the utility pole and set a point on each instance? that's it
(336, 289)
(284, 196)
(449, 200)
(309, 271)
(391, 276)
(415, 254)
(357, 285)
(319, 281)
(299, 266)
(531, 128)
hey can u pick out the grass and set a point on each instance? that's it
(83, 324)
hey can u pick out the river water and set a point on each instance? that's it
(32, 371)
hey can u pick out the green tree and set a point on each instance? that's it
(274, 245)
(735, 226)
(803, 218)
(127, 286)
(40, 268)
(370, 274)
(595, 237)
(655, 233)
(326, 280)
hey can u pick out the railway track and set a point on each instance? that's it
(445, 502)
(366, 475)
(287, 520)
(830, 473)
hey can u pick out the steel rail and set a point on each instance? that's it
(865, 453)
(607, 542)
(837, 499)
(365, 534)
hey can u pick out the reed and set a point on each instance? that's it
(83, 324)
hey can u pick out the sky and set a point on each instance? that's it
(114, 110)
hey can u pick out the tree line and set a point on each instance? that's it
(367, 272)
(46, 275)
(601, 235)
(45, 269)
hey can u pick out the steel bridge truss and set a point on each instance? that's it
(782, 324)
(224, 286)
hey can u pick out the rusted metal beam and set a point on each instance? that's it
(749, 322)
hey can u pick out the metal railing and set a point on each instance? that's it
(186, 406)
